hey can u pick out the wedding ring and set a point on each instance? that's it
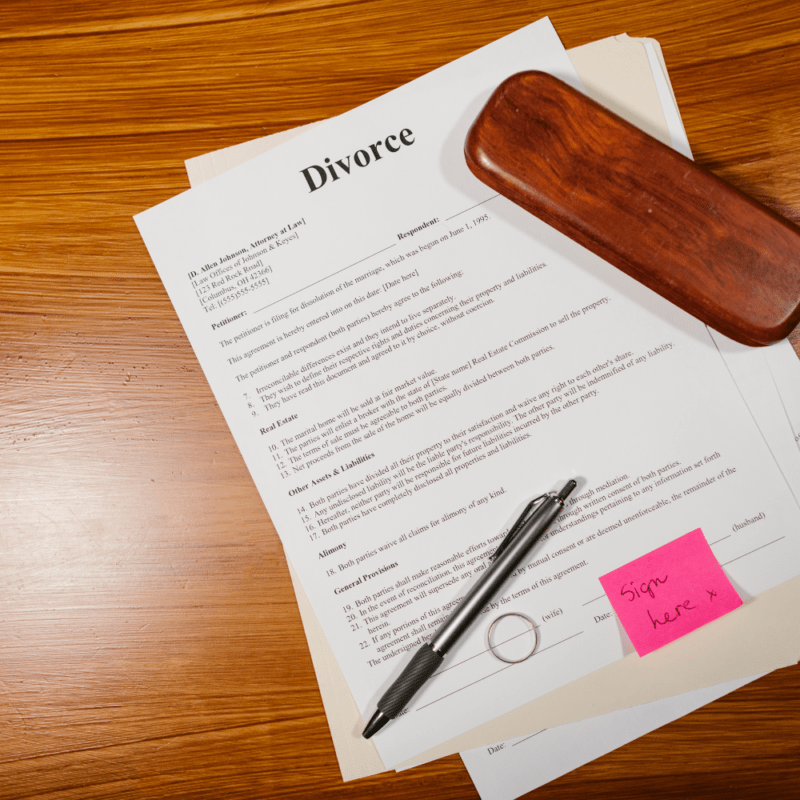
(512, 638)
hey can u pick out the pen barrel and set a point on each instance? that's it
(424, 663)
(498, 572)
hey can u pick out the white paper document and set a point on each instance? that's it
(405, 359)
(785, 370)
(612, 72)
(506, 770)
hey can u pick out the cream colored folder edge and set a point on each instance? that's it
(762, 636)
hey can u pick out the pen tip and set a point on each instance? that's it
(565, 492)
(379, 719)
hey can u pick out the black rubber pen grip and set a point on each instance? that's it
(424, 663)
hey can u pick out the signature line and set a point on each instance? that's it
(471, 207)
(286, 297)
(529, 737)
(503, 669)
(592, 601)
(751, 551)
(488, 649)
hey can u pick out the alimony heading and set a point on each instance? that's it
(317, 176)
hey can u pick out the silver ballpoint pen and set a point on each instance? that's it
(514, 549)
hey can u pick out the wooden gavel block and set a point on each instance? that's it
(643, 207)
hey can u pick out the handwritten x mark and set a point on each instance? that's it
(712, 595)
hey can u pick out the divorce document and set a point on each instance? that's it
(405, 359)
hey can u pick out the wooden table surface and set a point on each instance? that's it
(150, 645)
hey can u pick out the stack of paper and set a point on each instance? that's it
(405, 359)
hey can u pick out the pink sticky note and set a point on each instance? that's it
(669, 592)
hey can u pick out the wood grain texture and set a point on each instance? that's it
(150, 642)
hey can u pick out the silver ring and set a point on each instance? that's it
(532, 630)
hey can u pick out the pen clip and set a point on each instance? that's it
(509, 537)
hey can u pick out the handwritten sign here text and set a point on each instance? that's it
(670, 591)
